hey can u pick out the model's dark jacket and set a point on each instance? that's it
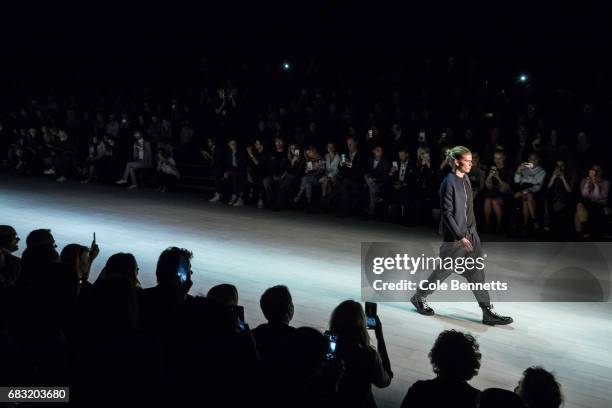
(453, 207)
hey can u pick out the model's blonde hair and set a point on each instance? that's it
(456, 153)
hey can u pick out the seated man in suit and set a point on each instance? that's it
(402, 182)
(377, 173)
(350, 174)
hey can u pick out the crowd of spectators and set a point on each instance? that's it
(370, 145)
(111, 339)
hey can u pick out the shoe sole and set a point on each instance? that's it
(502, 323)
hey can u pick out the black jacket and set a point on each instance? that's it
(381, 172)
(241, 161)
(357, 170)
(453, 207)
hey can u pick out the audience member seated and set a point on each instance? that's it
(529, 178)
(350, 174)
(594, 190)
(539, 389)
(278, 166)
(376, 175)
(258, 167)
(168, 174)
(401, 186)
(315, 167)
(364, 365)
(497, 191)
(142, 159)
(295, 170)
(329, 179)
(98, 160)
(63, 153)
(559, 201)
(455, 358)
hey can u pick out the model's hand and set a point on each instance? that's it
(467, 244)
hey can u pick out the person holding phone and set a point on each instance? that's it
(401, 186)
(594, 191)
(497, 191)
(377, 173)
(458, 227)
(161, 303)
(315, 166)
(364, 365)
(424, 189)
(350, 175)
(529, 177)
(329, 179)
(277, 169)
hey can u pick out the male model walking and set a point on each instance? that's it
(458, 226)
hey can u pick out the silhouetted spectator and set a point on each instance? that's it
(364, 365)
(455, 358)
(224, 294)
(539, 389)
(40, 237)
(162, 303)
(10, 265)
(276, 342)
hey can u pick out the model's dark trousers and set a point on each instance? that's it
(455, 250)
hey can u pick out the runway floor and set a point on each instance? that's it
(318, 258)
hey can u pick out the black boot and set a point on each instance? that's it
(490, 318)
(421, 305)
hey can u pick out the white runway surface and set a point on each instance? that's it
(318, 258)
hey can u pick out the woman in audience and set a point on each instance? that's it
(529, 177)
(590, 209)
(315, 167)
(497, 190)
(559, 199)
(364, 365)
(455, 359)
(167, 171)
(332, 161)
(424, 186)
(142, 159)
(97, 159)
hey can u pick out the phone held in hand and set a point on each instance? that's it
(238, 317)
(394, 164)
(182, 270)
(370, 312)
(332, 342)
